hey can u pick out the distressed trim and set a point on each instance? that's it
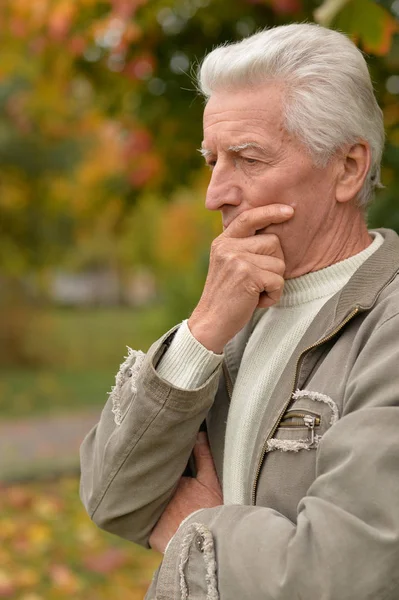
(297, 445)
(318, 397)
(208, 552)
(135, 369)
(128, 369)
(292, 445)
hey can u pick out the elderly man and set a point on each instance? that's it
(290, 357)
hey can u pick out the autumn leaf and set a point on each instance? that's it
(368, 22)
(7, 586)
(107, 561)
(19, 497)
(39, 536)
(64, 579)
(50, 549)
(27, 577)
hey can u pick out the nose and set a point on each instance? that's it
(223, 188)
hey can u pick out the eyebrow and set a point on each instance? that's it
(205, 152)
(245, 145)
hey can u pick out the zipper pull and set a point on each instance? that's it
(310, 421)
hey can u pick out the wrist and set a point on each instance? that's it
(206, 333)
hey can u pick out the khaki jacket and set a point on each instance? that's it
(321, 520)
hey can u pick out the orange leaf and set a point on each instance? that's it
(389, 26)
(106, 562)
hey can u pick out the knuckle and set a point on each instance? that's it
(280, 266)
(241, 267)
(281, 284)
(273, 240)
(280, 281)
(243, 219)
(217, 249)
(253, 288)
(217, 242)
(275, 283)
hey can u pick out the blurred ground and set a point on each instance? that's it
(30, 448)
(50, 550)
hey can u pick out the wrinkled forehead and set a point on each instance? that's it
(263, 103)
(255, 113)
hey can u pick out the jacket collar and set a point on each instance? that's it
(371, 278)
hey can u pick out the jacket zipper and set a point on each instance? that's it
(304, 416)
(307, 419)
(316, 345)
(310, 422)
(229, 384)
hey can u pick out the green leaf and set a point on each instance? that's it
(368, 22)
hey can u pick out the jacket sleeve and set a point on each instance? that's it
(345, 543)
(132, 460)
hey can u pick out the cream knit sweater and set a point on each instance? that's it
(277, 331)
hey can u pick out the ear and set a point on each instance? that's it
(354, 166)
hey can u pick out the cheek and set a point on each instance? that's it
(266, 190)
(300, 186)
(305, 190)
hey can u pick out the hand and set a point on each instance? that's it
(246, 271)
(192, 494)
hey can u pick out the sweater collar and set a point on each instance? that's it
(326, 282)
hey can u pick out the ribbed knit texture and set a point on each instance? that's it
(277, 332)
(187, 364)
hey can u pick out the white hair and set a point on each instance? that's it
(329, 99)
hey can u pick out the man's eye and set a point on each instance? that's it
(211, 163)
(250, 161)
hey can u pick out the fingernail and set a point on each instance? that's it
(287, 210)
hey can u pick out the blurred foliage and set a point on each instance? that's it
(27, 392)
(173, 239)
(97, 107)
(72, 357)
(50, 550)
(99, 125)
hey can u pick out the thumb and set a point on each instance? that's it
(206, 471)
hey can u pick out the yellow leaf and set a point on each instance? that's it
(39, 535)
(7, 529)
(27, 578)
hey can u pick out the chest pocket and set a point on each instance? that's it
(298, 430)
(289, 466)
(302, 426)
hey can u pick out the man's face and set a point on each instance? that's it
(255, 162)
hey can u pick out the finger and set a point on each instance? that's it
(265, 286)
(273, 289)
(250, 221)
(267, 300)
(203, 458)
(266, 263)
(266, 282)
(264, 243)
